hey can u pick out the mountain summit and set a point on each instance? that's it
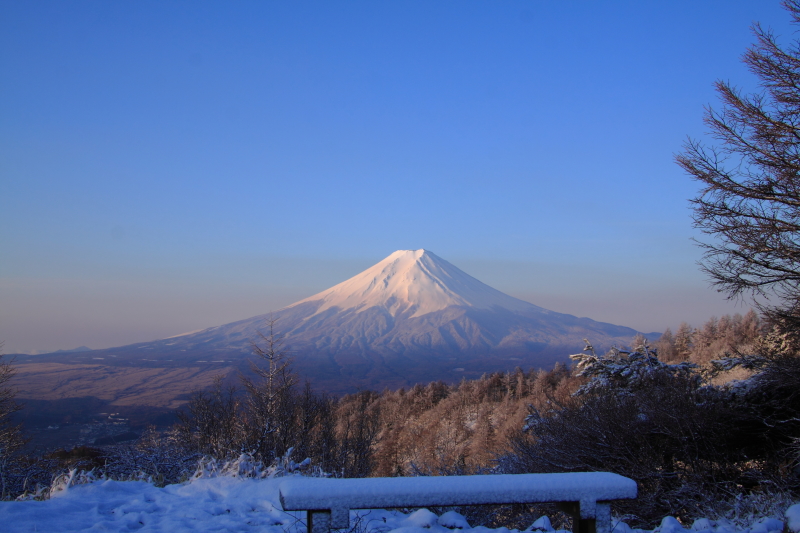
(413, 283)
(413, 317)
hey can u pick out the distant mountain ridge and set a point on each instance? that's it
(412, 317)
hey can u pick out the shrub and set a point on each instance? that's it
(685, 443)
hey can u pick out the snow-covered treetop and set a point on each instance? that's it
(623, 371)
(416, 282)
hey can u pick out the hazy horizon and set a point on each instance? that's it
(250, 299)
(170, 167)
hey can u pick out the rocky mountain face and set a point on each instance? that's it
(412, 317)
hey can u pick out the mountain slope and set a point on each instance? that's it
(413, 283)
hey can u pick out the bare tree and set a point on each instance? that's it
(271, 396)
(750, 197)
(164, 457)
(211, 422)
(11, 440)
(359, 425)
(665, 346)
(683, 342)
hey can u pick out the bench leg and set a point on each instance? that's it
(583, 525)
(603, 517)
(318, 521)
(601, 523)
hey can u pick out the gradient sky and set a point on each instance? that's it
(170, 166)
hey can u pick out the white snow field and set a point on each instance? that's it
(415, 280)
(228, 504)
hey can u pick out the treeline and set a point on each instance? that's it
(717, 338)
(440, 429)
(431, 429)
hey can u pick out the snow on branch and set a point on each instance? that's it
(625, 371)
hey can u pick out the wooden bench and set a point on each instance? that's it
(586, 496)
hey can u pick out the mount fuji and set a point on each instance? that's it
(413, 317)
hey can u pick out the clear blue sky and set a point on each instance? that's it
(169, 166)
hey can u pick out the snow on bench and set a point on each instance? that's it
(584, 495)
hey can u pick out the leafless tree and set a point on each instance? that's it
(750, 198)
(359, 424)
(161, 457)
(271, 399)
(211, 422)
(750, 205)
(683, 342)
(11, 439)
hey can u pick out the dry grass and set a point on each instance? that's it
(119, 385)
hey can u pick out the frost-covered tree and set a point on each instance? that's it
(160, 457)
(666, 345)
(271, 400)
(211, 422)
(684, 341)
(359, 424)
(624, 372)
(635, 415)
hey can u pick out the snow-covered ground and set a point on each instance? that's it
(234, 504)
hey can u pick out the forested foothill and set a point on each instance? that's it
(697, 442)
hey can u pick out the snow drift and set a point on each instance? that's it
(236, 504)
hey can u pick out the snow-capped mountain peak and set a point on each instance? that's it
(411, 318)
(416, 282)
